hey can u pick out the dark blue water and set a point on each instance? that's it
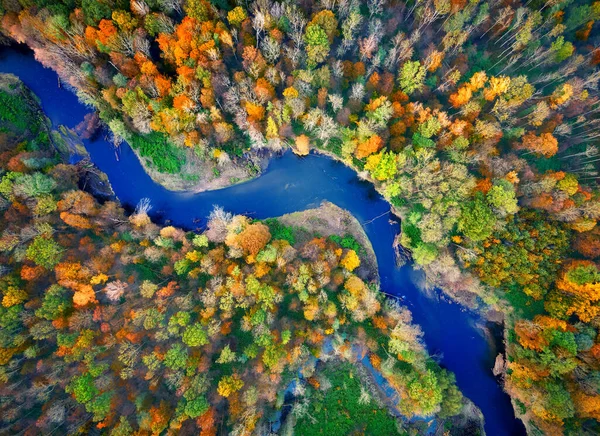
(291, 184)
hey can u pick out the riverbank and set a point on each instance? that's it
(202, 174)
(22, 120)
(331, 220)
(290, 184)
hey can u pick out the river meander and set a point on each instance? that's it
(292, 184)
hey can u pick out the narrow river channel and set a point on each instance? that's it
(292, 184)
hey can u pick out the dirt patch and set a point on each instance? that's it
(329, 219)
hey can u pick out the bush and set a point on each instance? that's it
(164, 156)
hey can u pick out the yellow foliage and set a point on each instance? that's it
(194, 256)
(84, 295)
(302, 145)
(272, 129)
(290, 92)
(462, 96)
(13, 296)
(350, 261)
(561, 95)
(228, 385)
(497, 86)
(583, 225)
(117, 247)
(478, 81)
(98, 279)
(236, 16)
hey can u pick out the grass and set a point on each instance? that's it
(280, 231)
(14, 110)
(349, 242)
(164, 155)
(338, 411)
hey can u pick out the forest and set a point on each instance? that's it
(112, 324)
(476, 119)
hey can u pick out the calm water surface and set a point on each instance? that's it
(292, 184)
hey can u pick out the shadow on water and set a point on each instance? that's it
(291, 184)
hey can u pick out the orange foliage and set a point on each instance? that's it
(207, 423)
(107, 31)
(263, 89)
(545, 144)
(74, 220)
(368, 147)
(462, 96)
(163, 85)
(255, 111)
(253, 238)
(302, 145)
(483, 185)
(31, 273)
(183, 103)
(84, 295)
(588, 406)
(529, 335)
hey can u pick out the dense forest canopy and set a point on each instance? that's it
(477, 120)
(112, 324)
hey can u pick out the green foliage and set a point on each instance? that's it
(200, 241)
(95, 10)
(563, 49)
(164, 156)
(17, 115)
(559, 401)
(383, 166)
(421, 141)
(176, 357)
(45, 252)
(34, 185)
(412, 76)
(195, 336)
(338, 411)
(56, 303)
(522, 251)
(424, 254)
(584, 274)
(280, 231)
(476, 221)
(425, 390)
(83, 388)
(197, 407)
(317, 44)
(100, 406)
(502, 196)
(348, 241)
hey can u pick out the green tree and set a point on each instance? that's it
(502, 196)
(477, 220)
(44, 251)
(317, 44)
(56, 303)
(83, 388)
(382, 165)
(412, 76)
(424, 253)
(100, 406)
(95, 10)
(195, 336)
(196, 407)
(176, 357)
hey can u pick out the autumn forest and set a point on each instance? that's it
(476, 121)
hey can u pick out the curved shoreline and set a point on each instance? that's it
(288, 187)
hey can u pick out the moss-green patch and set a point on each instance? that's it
(339, 412)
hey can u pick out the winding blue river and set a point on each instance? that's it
(291, 184)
